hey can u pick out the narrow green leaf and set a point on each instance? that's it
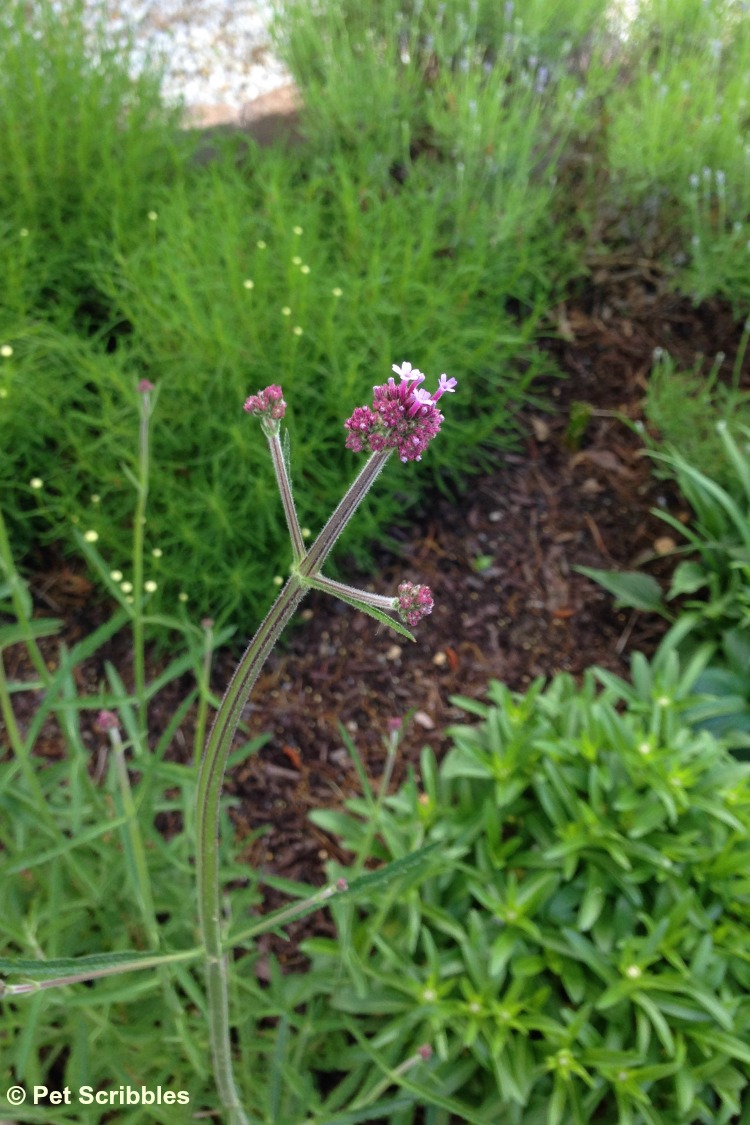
(631, 589)
(16, 633)
(688, 577)
(61, 969)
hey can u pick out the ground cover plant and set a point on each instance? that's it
(583, 957)
(495, 179)
(707, 598)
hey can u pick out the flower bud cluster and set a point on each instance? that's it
(268, 403)
(403, 416)
(414, 602)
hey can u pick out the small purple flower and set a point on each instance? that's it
(414, 602)
(403, 416)
(145, 386)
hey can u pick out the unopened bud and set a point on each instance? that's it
(107, 720)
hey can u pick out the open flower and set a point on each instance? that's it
(403, 416)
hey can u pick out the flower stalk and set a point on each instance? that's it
(403, 418)
(146, 403)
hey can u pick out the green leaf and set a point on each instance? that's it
(631, 589)
(60, 970)
(728, 1044)
(688, 577)
(414, 863)
(14, 634)
(660, 1025)
(593, 899)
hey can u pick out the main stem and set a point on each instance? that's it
(213, 765)
(210, 780)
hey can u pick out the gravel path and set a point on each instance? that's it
(217, 53)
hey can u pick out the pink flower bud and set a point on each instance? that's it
(107, 720)
(268, 403)
(425, 1051)
(145, 386)
(414, 602)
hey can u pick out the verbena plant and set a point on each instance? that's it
(583, 956)
(49, 917)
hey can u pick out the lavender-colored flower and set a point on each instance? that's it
(145, 386)
(403, 416)
(414, 602)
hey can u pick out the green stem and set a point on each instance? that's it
(139, 656)
(22, 754)
(204, 694)
(285, 491)
(356, 492)
(340, 589)
(135, 842)
(740, 359)
(213, 765)
(210, 780)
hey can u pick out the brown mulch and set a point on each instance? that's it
(500, 561)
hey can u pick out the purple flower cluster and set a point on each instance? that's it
(268, 403)
(414, 602)
(403, 416)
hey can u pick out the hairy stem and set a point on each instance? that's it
(356, 492)
(340, 589)
(210, 781)
(285, 491)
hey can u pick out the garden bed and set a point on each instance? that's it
(500, 561)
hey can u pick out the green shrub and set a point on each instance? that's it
(713, 585)
(316, 269)
(673, 142)
(83, 144)
(583, 955)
